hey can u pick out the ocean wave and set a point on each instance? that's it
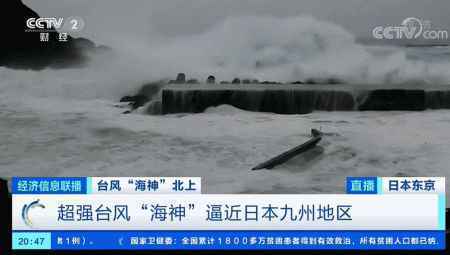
(264, 48)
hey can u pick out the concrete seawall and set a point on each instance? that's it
(302, 99)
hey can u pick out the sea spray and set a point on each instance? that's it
(258, 47)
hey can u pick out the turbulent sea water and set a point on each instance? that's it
(67, 123)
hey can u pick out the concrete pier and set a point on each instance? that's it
(302, 99)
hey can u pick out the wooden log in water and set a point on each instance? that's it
(285, 156)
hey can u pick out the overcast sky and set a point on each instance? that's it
(106, 19)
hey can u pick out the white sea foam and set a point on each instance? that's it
(283, 49)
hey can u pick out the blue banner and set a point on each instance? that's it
(237, 240)
(362, 185)
(49, 185)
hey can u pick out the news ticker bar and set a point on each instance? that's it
(229, 212)
(230, 240)
(106, 185)
(99, 213)
(192, 185)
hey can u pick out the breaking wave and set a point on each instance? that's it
(264, 48)
(286, 49)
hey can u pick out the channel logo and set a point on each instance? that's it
(26, 211)
(410, 28)
(47, 24)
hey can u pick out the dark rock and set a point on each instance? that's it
(245, 81)
(236, 81)
(255, 81)
(24, 50)
(146, 93)
(224, 82)
(135, 101)
(181, 78)
(120, 106)
(297, 82)
(126, 112)
(127, 99)
(211, 79)
(140, 101)
(83, 44)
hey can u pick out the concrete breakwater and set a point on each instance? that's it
(302, 99)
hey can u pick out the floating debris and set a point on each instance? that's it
(285, 156)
